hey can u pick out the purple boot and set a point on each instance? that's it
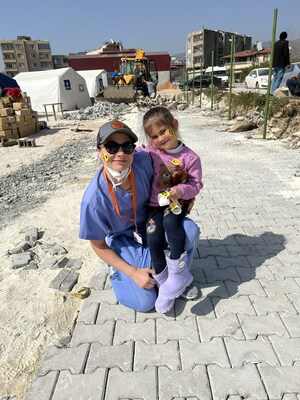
(179, 277)
(162, 305)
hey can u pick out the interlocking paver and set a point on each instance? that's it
(255, 351)
(166, 354)
(278, 303)
(239, 261)
(57, 359)
(120, 356)
(241, 305)
(213, 352)
(286, 271)
(132, 385)
(263, 272)
(217, 274)
(84, 333)
(292, 323)
(287, 350)
(80, 387)
(126, 331)
(284, 286)
(192, 383)
(245, 288)
(43, 386)
(215, 289)
(280, 380)
(269, 324)
(201, 306)
(109, 312)
(219, 327)
(243, 381)
(176, 330)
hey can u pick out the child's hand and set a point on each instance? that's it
(174, 193)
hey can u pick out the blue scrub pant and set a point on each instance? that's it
(126, 290)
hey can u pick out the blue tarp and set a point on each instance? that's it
(7, 82)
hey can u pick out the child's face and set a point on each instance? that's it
(164, 137)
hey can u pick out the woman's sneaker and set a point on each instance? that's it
(191, 292)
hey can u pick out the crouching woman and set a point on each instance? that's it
(113, 216)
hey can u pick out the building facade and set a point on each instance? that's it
(205, 44)
(109, 59)
(24, 54)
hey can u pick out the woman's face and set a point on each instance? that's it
(120, 160)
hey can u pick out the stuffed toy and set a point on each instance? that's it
(179, 175)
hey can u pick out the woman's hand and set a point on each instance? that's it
(142, 278)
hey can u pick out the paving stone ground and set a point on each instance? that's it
(241, 338)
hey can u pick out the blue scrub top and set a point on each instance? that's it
(98, 218)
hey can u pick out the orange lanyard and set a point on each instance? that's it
(114, 200)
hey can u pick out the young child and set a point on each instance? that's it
(169, 154)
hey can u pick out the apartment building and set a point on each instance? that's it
(24, 54)
(200, 45)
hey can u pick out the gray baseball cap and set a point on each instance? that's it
(114, 127)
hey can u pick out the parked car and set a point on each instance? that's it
(257, 78)
(206, 82)
(219, 72)
(289, 72)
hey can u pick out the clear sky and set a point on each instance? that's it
(157, 25)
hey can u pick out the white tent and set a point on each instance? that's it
(95, 80)
(63, 85)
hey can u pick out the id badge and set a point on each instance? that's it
(137, 237)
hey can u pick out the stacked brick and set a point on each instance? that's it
(17, 119)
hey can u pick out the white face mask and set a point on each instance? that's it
(119, 176)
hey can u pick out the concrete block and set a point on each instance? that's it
(69, 282)
(48, 263)
(20, 260)
(269, 324)
(102, 334)
(138, 331)
(255, 351)
(176, 330)
(240, 305)
(109, 312)
(72, 359)
(148, 355)
(81, 387)
(220, 327)
(57, 281)
(132, 385)
(244, 382)
(287, 349)
(213, 352)
(280, 380)
(120, 356)
(43, 387)
(32, 235)
(186, 384)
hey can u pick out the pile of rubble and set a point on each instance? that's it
(27, 255)
(102, 109)
(18, 192)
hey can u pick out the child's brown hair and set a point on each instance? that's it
(158, 115)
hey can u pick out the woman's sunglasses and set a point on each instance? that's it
(114, 147)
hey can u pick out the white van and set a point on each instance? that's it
(220, 72)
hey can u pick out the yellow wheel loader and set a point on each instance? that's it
(137, 77)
